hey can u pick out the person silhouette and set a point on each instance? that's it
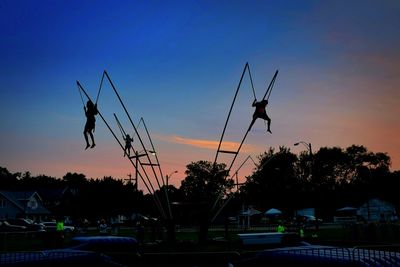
(128, 145)
(261, 113)
(90, 112)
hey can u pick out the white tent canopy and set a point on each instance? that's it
(273, 212)
(250, 212)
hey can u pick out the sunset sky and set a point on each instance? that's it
(177, 64)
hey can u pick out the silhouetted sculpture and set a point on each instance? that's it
(128, 145)
(260, 112)
(90, 112)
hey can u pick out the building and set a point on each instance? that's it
(26, 204)
(376, 210)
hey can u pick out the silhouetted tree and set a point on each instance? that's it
(205, 181)
(204, 184)
(75, 180)
(325, 179)
(275, 183)
(7, 180)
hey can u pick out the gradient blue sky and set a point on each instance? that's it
(177, 65)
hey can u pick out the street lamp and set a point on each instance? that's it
(307, 145)
(169, 176)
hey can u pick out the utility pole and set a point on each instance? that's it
(169, 177)
(130, 180)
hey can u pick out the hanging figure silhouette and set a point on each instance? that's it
(128, 145)
(261, 113)
(90, 112)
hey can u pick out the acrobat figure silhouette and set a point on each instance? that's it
(90, 112)
(261, 113)
(128, 145)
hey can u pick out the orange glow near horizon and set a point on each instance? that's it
(212, 144)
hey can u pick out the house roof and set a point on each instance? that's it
(20, 199)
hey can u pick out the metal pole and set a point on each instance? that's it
(271, 84)
(122, 147)
(136, 159)
(230, 110)
(159, 168)
(137, 133)
(133, 125)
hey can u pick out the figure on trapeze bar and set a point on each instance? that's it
(128, 145)
(261, 113)
(90, 112)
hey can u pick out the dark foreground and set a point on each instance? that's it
(126, 251)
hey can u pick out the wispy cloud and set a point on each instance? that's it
(208, 144)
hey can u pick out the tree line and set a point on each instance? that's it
(327, 179)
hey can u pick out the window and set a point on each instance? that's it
(32, 204)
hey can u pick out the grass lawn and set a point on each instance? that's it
(188, 239)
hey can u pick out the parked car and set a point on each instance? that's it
(29, 224)
(52, 226)
(307, 219)
(312, 219)
(7, 227)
